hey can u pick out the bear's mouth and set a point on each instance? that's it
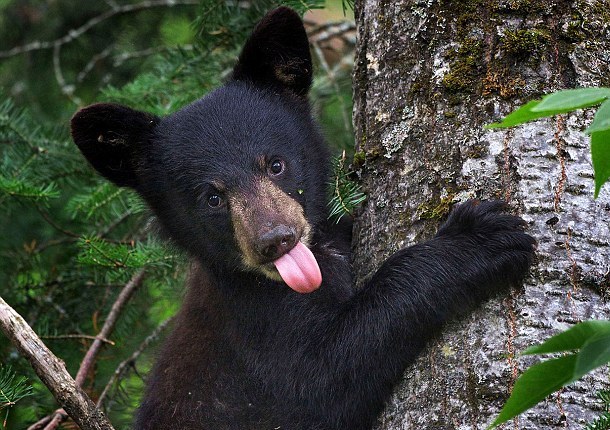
(298, 269)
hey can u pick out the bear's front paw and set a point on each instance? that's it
(486, 219)
(486, 226)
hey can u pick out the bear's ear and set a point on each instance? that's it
(277, 53)
(109, 136)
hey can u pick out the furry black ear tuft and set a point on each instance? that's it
(109, 136)
(277, 54)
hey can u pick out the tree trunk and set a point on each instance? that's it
(429, 75)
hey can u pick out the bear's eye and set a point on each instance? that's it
(214, 200)
(276, 166)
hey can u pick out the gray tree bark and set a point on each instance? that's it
(429, 75)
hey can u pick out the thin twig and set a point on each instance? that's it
(91, 64)
(124, 365)
(54, 242)
(126, 56)
(332, 78)
(331, 30)
(41, 423)
(114, 224)
(77, 32)
(66, 89)
(56, 226)
(78, 336)
(119, 59)
(56, 419)
(117, 307)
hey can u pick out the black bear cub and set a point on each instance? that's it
(272, 333)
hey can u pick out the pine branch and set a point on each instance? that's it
(15, 188)
(14, 121)
(602, 422)
(91, 200)
(51, 371)
(96, 251)
(347, 4)
(31, 157)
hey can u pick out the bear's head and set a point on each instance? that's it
(239, 177)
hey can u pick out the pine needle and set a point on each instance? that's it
(12, 388)
(603, 421)
(347, 194)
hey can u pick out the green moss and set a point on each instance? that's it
(524, 43)
(363, 139)
(359, 159)
(372, 154)
(501, 80)
(523, 7)
(601, 10)
(453, 99)
(476, 151)
(575, 32)
(465, 67)
(435, 209)
(464, 5)
(466, 12)
(361, 156)
(417, 86)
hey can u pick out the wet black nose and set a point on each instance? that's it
(277, 242)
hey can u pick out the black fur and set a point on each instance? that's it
(247, 352)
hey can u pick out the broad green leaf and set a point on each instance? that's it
(569, 100)
(600, 155)
(553, 104)
(601, 121)
(535, 384)
(520, 116)
(594, 353)
(573, 338)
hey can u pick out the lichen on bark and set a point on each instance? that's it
(429, 75)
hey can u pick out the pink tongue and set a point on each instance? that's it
(299, 269)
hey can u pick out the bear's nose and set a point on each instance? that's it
(277, 242)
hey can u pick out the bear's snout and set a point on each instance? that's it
(277, 242)
(268, 223)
